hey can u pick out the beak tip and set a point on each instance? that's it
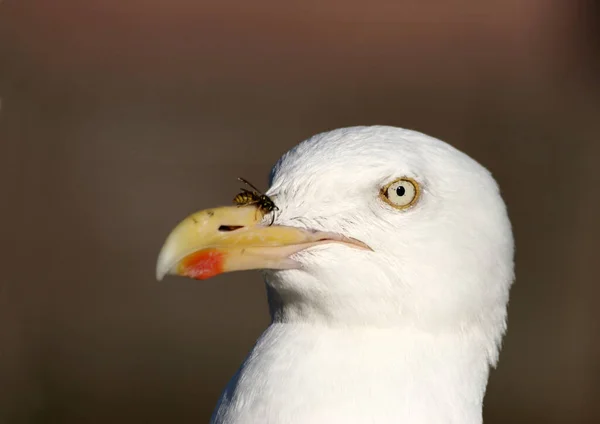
(160, 274)
(162, 266)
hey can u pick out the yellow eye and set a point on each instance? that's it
(401, 193)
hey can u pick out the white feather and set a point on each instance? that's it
(403, 334)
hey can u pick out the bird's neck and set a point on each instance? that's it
(306, 373)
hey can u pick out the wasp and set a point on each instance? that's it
(254, 197)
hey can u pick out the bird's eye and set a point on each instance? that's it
(401, 193)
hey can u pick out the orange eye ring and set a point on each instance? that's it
(402, 193)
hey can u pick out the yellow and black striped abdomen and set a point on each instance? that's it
(246, 198)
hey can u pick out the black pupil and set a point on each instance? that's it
(400, 191)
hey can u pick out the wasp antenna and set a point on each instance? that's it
(248, 183)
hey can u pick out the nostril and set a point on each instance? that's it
(225, 228)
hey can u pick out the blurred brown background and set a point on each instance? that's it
(118, 118)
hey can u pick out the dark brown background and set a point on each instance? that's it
(120, 117)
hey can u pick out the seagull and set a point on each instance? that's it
(388, 261)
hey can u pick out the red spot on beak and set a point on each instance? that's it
(202, 264)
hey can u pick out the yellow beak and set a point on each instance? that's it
(215, 241)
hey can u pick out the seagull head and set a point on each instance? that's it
(376, 226)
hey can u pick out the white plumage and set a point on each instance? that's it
(404, 333)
